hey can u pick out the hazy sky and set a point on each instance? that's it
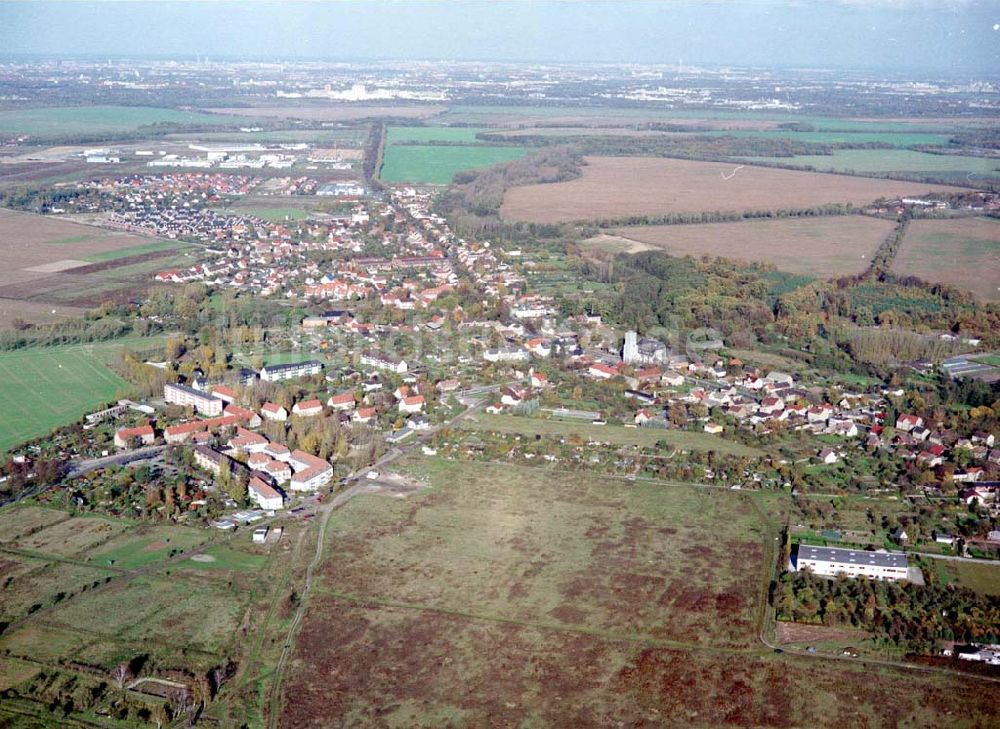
(946, 35)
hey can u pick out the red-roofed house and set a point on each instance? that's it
(307, 408)
(271, 411)
(412, 404)
(224, 393)
(364, 415)
(144, 433)
(601, 371)
(342, 401)
(248, 417)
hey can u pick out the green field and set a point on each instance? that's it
(145, 545)
(983, 577)
(134, 251)
(616, 434)
(226, 558)
(892, 160)
(84, 120)
(897, 139)
(464, 135)
(437, 164)
(272, 214)
(46, 387)
(466, 114)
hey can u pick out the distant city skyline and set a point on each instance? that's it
(960, 36)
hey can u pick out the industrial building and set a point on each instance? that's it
(833, 561)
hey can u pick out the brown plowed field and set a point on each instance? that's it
(615, 187)
(821, 247)
(963, 253)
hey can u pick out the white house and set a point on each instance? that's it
(263, 495)
(271, 411)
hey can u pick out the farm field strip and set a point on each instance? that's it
(437, 164)
(60, 121)
(822, 247)
(619, 187)
(892, 160)
(464, 135)
(963, 252)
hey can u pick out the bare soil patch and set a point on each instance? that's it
(615, 187)
(801, 633)
(822, 247)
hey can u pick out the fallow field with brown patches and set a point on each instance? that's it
(963, 252)
(822, 247)
(516, 596)
(618, 187)
(54, 268)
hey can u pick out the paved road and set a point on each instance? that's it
(78, 468)
(950, 558)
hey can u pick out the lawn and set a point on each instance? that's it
(94, 120)
(225, 558)
(437, 164)
(147, 544)
(46, 387)
(616, 434)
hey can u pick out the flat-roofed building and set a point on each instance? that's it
(186, 396)
(832, 561)
(276, 372)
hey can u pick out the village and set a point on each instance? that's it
(431, 324)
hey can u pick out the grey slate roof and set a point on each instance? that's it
(852, 556)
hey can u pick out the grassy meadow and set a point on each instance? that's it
(46, 387)
(86, 120)
(437, 164)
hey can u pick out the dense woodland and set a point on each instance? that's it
(912, 617)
